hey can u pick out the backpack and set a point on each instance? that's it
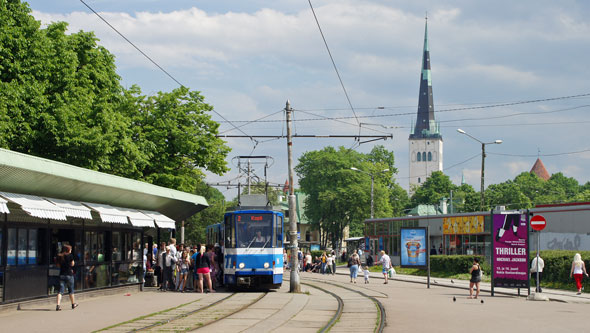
(349, 261)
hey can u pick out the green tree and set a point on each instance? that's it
(506, 194)
(176, 133)
(196, 226)
(340, 197)
(437, 186)
(60, 98)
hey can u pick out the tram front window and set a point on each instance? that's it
(254, 230)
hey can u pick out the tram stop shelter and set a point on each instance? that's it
(107, 220)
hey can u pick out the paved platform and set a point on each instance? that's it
(409, 305)
(553, 294)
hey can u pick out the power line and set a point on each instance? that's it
(248, 122)
(332, 59)
(323, 118)
(546, 155)
(155, 63)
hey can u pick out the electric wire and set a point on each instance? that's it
(332, 59)
(156, 64)
(544, 155)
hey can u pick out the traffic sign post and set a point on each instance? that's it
(538, 223)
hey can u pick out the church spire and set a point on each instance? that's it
(425, 126)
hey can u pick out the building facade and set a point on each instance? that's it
(425, 141)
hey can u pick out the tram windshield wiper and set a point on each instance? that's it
(251, 242)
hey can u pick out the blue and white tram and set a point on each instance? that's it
(253, 254)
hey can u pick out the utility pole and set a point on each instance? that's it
(295, 287)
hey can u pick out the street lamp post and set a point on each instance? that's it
(372, 175)
(483, 159)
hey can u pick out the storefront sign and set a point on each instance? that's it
(510, 250)
(414, 245)
(463, 225)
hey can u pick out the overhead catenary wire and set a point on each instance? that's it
(333, 62)
(155, 63)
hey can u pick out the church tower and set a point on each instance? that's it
(426, 144)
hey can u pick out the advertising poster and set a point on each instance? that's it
(413, 247)
(510, 250)
(463, 225)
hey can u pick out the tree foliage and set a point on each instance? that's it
(338, 196)
(196, 226)
(61, 98)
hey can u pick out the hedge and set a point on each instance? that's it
(456, 264)
(558, 264)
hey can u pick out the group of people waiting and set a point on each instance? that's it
(324, 264)
(174, 267)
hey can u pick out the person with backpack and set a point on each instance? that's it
(65, 262)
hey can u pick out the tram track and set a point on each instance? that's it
(190, 316)
(381, 319)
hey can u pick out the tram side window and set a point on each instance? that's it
(279, 231)
(230, 235)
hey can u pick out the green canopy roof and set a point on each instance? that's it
(26, 174)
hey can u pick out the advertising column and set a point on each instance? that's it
(413, 247)
(510, 250)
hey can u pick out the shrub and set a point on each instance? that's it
(455, 264)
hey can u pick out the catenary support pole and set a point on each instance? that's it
(295, 287)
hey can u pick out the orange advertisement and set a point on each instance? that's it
(463, 225)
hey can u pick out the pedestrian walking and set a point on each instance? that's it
(534, 271)
(366, 273)
(475, 272)
(354, 264)
(386, 264)
(65, 262)
(578, 271)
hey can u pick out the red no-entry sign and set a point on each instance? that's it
(538, 222)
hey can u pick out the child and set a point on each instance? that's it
(366, 273)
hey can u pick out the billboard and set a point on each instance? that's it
(510, 250)
(463, 225)
(414, 247)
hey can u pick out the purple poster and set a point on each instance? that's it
(510, 250)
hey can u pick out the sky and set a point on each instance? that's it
(249, 57)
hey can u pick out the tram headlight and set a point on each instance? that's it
(242, 265)
(266, 265)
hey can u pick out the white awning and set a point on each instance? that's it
(162, 221)
(108, 213)
(137, 218)
(3, 207)
(72, 208)
(36, 206)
